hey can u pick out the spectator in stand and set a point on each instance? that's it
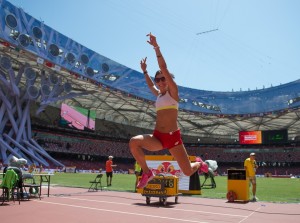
(250, 167)
(109, 170)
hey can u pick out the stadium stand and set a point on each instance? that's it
(88, 153)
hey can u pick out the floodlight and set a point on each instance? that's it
(37, 32)
(84, 59)
(54, 50)
(33, 92)
(89, 71)
(5, 63)
(45, 89)
(29, 73)
(11, 21)
(24, 40)
(70, 58)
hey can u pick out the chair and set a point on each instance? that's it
(33, 188)
(18, 171)
(94, 183)
(9, 185)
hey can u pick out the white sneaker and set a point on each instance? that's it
(255, 198)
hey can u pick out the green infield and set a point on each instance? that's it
(268, 189)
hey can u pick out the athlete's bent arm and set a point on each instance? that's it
(149, 81)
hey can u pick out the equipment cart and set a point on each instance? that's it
(162, 187)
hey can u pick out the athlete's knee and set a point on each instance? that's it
(188, 172)
(134, 142)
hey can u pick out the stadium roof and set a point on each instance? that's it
(119, 94)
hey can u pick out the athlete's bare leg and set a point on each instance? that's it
(137, 145)
(180, 154)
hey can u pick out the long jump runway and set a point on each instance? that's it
(72, 205)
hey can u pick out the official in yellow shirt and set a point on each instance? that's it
(137, 172)
(250, 167)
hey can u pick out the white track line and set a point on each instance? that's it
(122, 212)
(173, 209)
(250, 214)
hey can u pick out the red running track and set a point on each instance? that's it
(77, 205)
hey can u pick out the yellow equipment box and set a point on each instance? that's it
(162, 187)
(167, 165)
(237, 185)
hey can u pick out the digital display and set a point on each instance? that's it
(250, 137)
(275, 136)
(263, 137)
(76, 117)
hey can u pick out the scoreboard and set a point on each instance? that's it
(250, 137)
(263, 137)
(275, 136)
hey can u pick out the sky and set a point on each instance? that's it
(218, 45)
